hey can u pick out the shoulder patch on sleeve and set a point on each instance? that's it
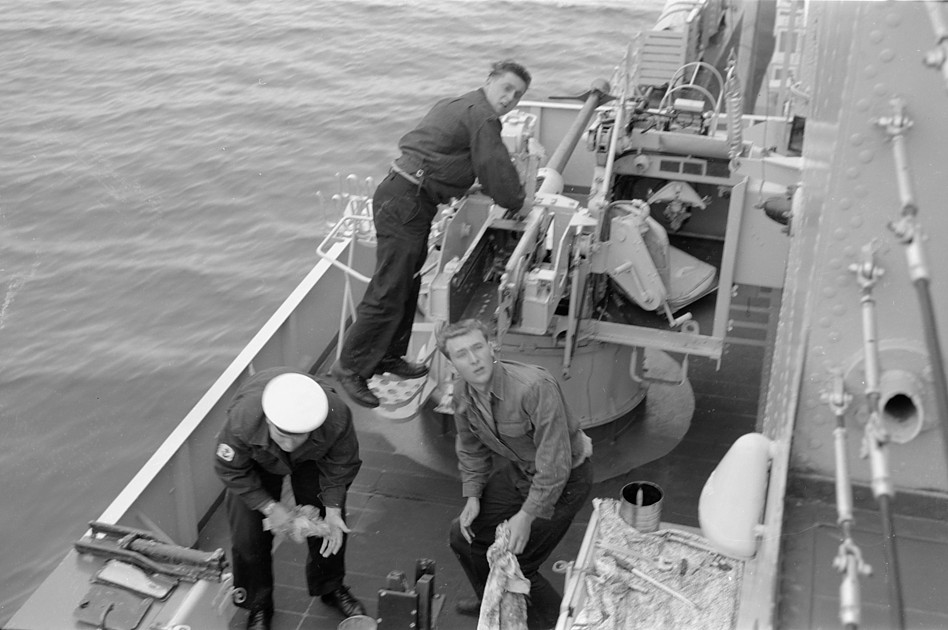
(225, 452)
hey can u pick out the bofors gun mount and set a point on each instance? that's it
(530, 274)
(512, 269)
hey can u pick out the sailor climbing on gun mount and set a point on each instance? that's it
(280, 423)
(457, 141)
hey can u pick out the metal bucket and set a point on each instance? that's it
(641, 505)
(358, 622)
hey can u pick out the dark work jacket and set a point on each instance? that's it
(457, 141)
(244, 445)
(529, 424)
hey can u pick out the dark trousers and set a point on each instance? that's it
(384, 318)
(500, 500)
(251, 546)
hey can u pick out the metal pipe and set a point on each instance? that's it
(617, 129)
(893, 579)
(876, 441)
(883, 491)
(839, 401)
(909, 233)
(938, 56)
(867, 274)
(938, 22)
(850, 594)
(593, 98)
(895, 127)
(613, 144)
(848, 560)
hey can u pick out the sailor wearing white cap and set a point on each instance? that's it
(294, 405)
(280, 423)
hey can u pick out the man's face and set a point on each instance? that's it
(472, 356)
(504, 91)
(289, 442)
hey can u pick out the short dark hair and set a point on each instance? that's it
(509, 65)
(457, 329)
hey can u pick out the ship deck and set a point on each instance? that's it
(399, 511)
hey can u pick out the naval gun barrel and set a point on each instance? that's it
(598, 94)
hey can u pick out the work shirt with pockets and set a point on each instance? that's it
(245, 444)
(528, 423)
(457, 141)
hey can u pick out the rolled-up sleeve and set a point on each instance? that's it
(544, 405)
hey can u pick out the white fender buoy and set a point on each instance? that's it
(732, 500)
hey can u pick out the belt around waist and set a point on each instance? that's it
(403, 173)
(402, 180)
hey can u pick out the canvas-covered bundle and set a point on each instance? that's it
(504, 605)
(665, 579)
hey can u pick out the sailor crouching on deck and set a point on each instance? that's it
(516, 412)
(283, 422)
(457, 141)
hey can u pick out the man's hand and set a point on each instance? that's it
(278, 518)
(471, 509)
(520, 524)
(337, 526)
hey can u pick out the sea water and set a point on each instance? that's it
(159, 170)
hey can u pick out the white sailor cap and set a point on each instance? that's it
(295, 403)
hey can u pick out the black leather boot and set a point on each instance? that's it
(344, 601)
